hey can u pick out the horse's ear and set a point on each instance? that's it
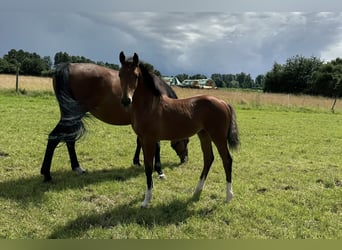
(122, 57)
(135, 59)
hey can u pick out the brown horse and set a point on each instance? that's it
(82, 88)
(157, 117)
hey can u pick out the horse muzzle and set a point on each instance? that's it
(125, 101)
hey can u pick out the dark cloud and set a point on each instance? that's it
(174, 5)
(177, 42)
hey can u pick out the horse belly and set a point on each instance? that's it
(112, 113)
(176, 129)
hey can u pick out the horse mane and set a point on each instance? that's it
(155, 83)
(152, 81)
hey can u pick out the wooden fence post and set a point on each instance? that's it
(17, 80)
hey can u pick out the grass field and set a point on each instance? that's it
(246, 98)
(287, 175)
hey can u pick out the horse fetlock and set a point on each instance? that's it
(200, 186)
(230, 193)
(147, 200)
(136, 163)
(197, 195)
(46, 174)
(229, 197)
(47, 178)
(183, 159)
(162, 176)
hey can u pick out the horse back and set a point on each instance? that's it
(188, 116)
(98, 90)
(90, 83)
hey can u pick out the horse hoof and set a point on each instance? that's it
(136, 163)
(143, 205)
(47, 179)
(162, 176)
(196, 197)
(229, 197)
(79, 170)
(184, 160)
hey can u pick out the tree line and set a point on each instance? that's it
(27, 63)
(300, 75)
(297, 75)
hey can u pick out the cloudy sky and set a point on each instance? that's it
(176, 36)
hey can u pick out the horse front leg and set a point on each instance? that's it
(208, 158)
(148, 151)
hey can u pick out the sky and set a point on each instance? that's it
(206, 37)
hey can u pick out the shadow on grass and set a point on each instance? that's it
(176, 212)
(32, 189)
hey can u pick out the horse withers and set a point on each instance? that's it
(157, 117)
(85, 87)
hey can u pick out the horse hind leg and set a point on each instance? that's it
(75, 166)
(157, 163)
(227, 162)
(61, 132)
(208, 158)
(136, 161)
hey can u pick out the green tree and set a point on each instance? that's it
(272, 81)
(327, 79)
(259, 81)
(28, 63)
(6, 67)
(198, 76)
(108, 65)
(61, 57)
(218, 79)
(297, 73)
(292, 77)
(245, 80)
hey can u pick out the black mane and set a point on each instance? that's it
(157, 85)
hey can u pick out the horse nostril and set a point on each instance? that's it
(125, 101)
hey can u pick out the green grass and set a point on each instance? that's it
(286, 179)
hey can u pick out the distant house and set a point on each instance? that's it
(199, 83)
(172, 80)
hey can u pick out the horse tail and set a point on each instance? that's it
(233, 132)
(71, 126)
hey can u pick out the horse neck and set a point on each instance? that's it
(143, 97)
